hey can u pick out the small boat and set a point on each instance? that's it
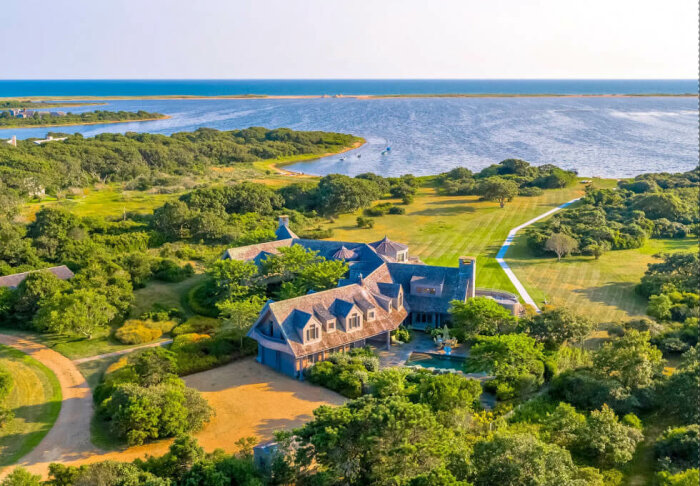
(342, 159)
(388, 149)
(359, 156)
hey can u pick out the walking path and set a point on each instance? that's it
(122, 351)
(69, 438)
(509, 240)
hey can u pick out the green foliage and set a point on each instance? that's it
(515, 360)
(480, 316)
(677, 448)
(497, 189)
(136, 331)
(690, 477)
(344, 373)
(341, 194)
(561, 244)
(21, 477)
(402, 335)
(239, 315)
(81, 313)
(197, 324)
(680, 393)
(556, 325)
(363, 222)
(631, 360)
(606, 440)
(42, 118)
(517, 459)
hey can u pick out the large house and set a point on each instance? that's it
(385, 287)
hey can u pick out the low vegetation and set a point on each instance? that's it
(43, 119)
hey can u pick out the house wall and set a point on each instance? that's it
(279, 361)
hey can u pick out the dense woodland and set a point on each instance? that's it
(98, 116)
(565, 415)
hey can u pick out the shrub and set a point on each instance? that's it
(134, 332)
(530, 191)
(199, 299)
(198, 324)
(403, 335)
(346, 374)
(677, 448)
(365, 222)
(169, 271)
(397, 210)
(194, 352)
(6, 383)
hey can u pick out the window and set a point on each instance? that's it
(400, 300)
(423, 318)
(426, 290)
(312, 333)
(370, 315)
(267, 329)
(330, 325)
(401, 257)
(354, 322)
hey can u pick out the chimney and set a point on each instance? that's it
(284, 221)
(467, 269)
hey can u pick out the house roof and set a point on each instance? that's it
(344, 254)
(249, 252)
(334, 302)
(387, 247)
(283, 232)
(62, 272)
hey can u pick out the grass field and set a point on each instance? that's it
(35, 400)
(601, 289)
(440, 229)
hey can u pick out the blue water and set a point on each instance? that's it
(612, 137)
(340, 86)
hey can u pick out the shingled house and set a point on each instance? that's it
(384, 288)
(12, 281)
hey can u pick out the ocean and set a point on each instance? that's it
(603, 136)
(302, 87)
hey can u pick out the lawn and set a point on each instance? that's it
(35, 400)
(169, 295)
(440, 229)
(601, 289)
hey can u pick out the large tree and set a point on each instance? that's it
(81, 313)
(561, 244)
(497, 189)
(481, 315)
(631, 360)
(556, 325)
(342, 194)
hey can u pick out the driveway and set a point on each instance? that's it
(249, 399)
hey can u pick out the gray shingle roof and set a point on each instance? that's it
(283, 232)
(387, 247)
(12, 281)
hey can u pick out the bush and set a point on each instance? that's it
(161, 313)
(198, 324)
(198, 352)
(135, 331)
(199, 299)
(379, 210)
(346, 374)
(677, 448)
(169, 271)
(365, 222)
(530, 191)
(397, 210)
(403, 335)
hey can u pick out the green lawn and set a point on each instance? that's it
(169, 295)
(602, 289)
(35, 400)
(440, 229)
(93, 370)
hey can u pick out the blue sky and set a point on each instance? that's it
(349, 39)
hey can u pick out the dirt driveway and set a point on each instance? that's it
(249, 399)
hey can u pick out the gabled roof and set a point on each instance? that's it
(389, 289)
(283, 232)
(249, 252)
(341, 308)
(285, 314)
(322, 314)
(387, 247)
(62, 272)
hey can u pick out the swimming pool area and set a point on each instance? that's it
(438, 361)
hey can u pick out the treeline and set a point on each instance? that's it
(650, 206)
(505, 180)
(80, 162)
(97, 116)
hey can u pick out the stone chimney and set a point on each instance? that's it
(284, 221)
(467, 268)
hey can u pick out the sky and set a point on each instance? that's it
(306, 39)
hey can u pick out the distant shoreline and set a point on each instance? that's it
(21, 127)
(367, 96)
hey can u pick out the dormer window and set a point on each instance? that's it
(354, 322)
(370, 315)
(400, 300)
(330, 326)
(401, 256)
(426, 290)
(312, 333)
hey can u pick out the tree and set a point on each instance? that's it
(660, 307)
(480, 315)
(677, 448)
(233, 278)
(565, 426)
(289, 262)
(631, 360)
(498, 189)
(32, 290)
(509, 459)
(509, 357)
(342, 194)
(81, 312)
(239, 315)
(322, 275)
(374, 441)
(444, 393)
(153, 366)
(681, 270)
(21, 477)
(556, 325)
(606, 440)
(173, 220)
(681, 391)
(561, 244)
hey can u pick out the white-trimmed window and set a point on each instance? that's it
(354, 322)
(312, 333)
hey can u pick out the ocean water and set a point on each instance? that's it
(298, 87)
(609, 137)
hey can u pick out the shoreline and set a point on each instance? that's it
(20, 127)
(341, 96)
(278, 165)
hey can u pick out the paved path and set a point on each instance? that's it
(69, 438)
(509, 240)
(122, 351)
